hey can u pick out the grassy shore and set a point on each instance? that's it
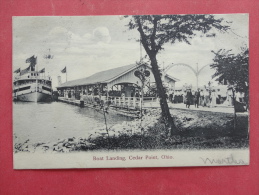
(195, 130)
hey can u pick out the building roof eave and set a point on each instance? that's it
(105, 77)
(173, 78)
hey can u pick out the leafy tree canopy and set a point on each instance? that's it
(232, 68)
(156, 30)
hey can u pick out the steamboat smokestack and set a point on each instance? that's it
(59, 80)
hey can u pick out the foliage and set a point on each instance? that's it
(156, 30)
(233, 68)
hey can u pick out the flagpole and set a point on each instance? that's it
(66, 74)
(36, 64)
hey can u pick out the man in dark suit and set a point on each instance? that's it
(197, 95)
(188, 98)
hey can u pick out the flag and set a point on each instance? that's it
(42, 70)
(17, 71)
(33, 61)
(24, 71)
(64, 70)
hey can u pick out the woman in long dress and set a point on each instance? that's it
(206, 98)
(202, 98)
(213, 99)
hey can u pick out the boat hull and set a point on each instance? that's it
(34, 97)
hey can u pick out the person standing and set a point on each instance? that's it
(213, 99)
(197, 98)
(171, 97)
(206, 97)
(188, 98)
(132, 93)
(202, 98)
(137, 94)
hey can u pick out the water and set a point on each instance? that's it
(43, 122)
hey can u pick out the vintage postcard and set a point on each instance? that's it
(130, 91)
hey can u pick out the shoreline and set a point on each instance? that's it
(197, 130)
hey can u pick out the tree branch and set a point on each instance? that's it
(143, 37)
(153, 36)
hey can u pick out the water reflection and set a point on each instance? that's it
(54, 120)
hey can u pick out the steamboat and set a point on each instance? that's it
(31, 85)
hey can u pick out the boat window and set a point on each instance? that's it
(22, 89)
(45, 88)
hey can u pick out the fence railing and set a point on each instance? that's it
(119, 102)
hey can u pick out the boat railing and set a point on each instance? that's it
(26, 77)
(23, 84)
(29, 83)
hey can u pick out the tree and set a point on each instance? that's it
(156, 30)
(233, 68)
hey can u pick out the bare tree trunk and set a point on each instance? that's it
(162, 95)
(152, 52)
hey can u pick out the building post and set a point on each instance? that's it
(134, 102)
(197, 76)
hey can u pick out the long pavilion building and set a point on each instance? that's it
(125, 86)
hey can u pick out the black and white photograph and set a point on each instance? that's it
(130, 91)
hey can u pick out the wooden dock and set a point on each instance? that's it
(119, 106)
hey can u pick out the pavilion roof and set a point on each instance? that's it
(103, 77)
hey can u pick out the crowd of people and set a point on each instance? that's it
(201, 98)
(204, 97)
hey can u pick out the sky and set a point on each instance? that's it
(89, 44)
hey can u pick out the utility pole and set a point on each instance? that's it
(197, 75)
(66, 74)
